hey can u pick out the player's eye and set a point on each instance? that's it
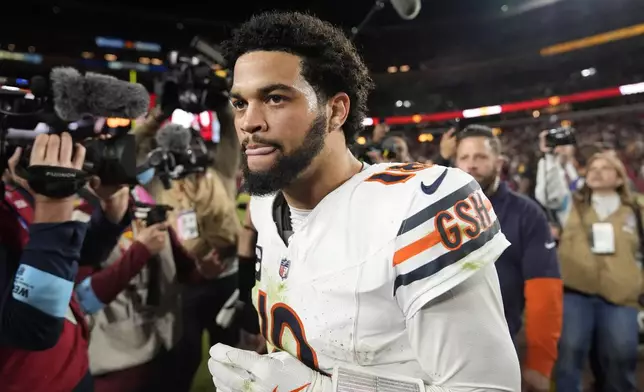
(238, 104)
(276, 99)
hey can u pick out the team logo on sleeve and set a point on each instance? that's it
(285, 265)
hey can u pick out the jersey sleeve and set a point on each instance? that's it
(449, 232)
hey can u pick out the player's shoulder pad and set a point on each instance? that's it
(416, 184)
(399, 191)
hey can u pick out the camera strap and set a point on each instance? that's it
(55, 182)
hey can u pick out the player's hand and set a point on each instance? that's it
(154, 237)
(448, 144)
(533, 381)
(235, 370)
(252, 342)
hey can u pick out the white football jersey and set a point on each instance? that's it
(368, 257)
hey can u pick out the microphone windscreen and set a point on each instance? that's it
(406, 9)
(106, 96)
(67, 85)
(173, 137)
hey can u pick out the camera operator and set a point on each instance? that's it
(43, 334)
(205, 218)
(557, 173)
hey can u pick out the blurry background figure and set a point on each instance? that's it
(206, 220)
(528, 270)
(600, 251)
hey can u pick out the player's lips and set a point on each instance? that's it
(256, 150)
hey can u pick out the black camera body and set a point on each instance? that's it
(192, 82)
(562, 136)
(151, 214)
(175, 164)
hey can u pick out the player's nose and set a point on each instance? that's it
(253, 119)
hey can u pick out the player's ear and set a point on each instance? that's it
(338, 110)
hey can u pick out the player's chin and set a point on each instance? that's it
(262, 163)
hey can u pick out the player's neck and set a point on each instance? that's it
(333, 169)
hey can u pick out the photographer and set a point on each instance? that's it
(133, 302)
(205, 219)
(43, 335)
(557, 173)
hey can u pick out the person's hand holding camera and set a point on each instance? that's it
(543, 146)
(154, 237)
(54, 151)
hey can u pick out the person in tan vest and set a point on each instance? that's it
(599, 252)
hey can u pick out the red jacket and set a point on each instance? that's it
(39, 352)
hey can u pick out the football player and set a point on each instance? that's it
(372, 277)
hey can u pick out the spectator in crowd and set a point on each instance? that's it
(528, 270)
(598, 251)
(634, 163)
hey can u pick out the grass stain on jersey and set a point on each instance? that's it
(472, 266)
(276, 290)
(248, 386)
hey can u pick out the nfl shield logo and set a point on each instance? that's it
(284, 266)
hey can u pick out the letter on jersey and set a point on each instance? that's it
(446, 238)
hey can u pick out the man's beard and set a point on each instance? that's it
(287, 167)
(488, 183)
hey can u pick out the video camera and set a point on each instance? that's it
(71, 102)
(151, 214)
(196, 81)
(180, 151)
(563, 136)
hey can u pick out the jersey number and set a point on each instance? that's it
(397, 174)
(282, 316)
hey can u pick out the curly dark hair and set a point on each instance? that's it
(330, 61)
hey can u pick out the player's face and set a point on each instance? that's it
(278, 119)
(476, 156)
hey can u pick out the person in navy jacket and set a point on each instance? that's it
(528, 270)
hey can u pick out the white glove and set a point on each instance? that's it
(235, 370)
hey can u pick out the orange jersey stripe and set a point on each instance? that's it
(417, 247)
